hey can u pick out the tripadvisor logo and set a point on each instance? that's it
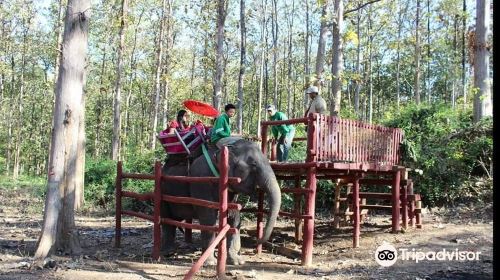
(387, 255)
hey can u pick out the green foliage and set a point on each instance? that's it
(36, 184)
(449, 149)
(2, 165)
(100, 176)
(99, 181)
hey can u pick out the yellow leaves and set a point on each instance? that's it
(351, 37)
(458, 155)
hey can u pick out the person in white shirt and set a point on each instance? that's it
(318, 104)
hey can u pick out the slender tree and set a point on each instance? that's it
(416, 87)
(274, 33)
(323, 34)
(307, 51)
(242, 65)
(337, 59)
(159, 61)
(262, 63)
(219, 63)
(464, 30)
(482, 81)
(117, 120)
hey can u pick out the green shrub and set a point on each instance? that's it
(2, 165)
(448, 148)
(100, 177)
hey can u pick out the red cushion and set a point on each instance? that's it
(192, 138)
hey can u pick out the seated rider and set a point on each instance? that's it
(180, 124)
(221, 132)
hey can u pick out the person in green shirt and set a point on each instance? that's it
(284, 133)
(222, 127)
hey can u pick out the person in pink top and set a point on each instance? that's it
(181, 123)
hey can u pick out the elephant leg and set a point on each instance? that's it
(234, 240)
(168, 233)
(207, 217)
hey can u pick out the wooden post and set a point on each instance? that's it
(412, 204)
(307, 245)
(418, 209)
(264, 139)
(336, 206)
(395, 199)
(298, 210)
(404, 205)
(356, 212)
(157, 200)
(260, 214)
(273, 150)
(118, 209)
(223, 211)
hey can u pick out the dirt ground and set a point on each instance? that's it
(462, 229)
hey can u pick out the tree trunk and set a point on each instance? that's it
(398, 56)
(99, 104)
(274, 25)
(166, 64)
(464, 30)
(416, 87)
(59, 226)
(358, 70)
(262, 58)
(159, 61)
(482, 81)
(290, 90)
(307, 68)
(59, 32)
(11, 112)
(337, 60)
(454, 63)
(80, 161)
(428, 80)
(117, 120)
(219, 67)
(370, 58)
(132, 78)
(19, 120)
(320, 56)
(242, 66)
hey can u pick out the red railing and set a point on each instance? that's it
(156, 196)
(342, 140)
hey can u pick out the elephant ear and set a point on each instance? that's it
(231, 154)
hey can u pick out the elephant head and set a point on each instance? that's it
(247, 162)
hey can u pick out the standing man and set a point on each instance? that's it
(286, 132)
(221, 132)
(318, 104)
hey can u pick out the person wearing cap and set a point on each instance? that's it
(284, 133)
(318, 104)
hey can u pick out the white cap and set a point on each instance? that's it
(270, 108)
(312, 89)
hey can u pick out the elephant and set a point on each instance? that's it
(247, 162)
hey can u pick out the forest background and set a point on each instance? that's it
(407, 64)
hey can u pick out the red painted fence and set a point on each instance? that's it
(343, 140)
(223, 206)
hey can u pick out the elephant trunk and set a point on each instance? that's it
(273, 192)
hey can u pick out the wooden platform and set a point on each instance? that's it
(348, 152)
